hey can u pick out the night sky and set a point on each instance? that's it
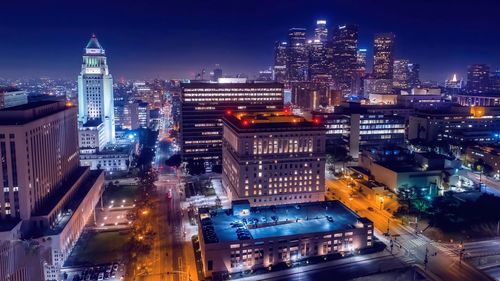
(175, 39)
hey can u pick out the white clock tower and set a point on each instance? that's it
(95, 89)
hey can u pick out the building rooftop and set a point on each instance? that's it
(92, 123)
(234, 84)
(25, 113)
(270, 120)
(8, 224)
(242, 223)
(8, 89)
(72, 205)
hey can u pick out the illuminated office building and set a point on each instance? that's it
(10, 96)
(456, 124)
(297, 63)
(345, 56)
(204, 104)
(478, 78)
(495, 82)
(358, 127)
(383, 56)
(273, 158)
(95, 89)
(359, 73)
(401, 75)
(321, 31)
(317, 58)
(454, 85)
(280, 62)
(243, 239)
(413, 75)
(217, 73)
(47, 198)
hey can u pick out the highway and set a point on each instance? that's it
(443, 263)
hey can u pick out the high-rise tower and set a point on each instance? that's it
(321, 31)
(95, 89)
(297, 64)
(345, 51)
(478, 78)
(383, 56)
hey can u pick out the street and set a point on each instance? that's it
(442, 263)
(171, 256)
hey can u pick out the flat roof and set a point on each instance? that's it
(271, 120)
(25, 113)
(249, 83)
(92, 123)
(277, 221)
(27, 106)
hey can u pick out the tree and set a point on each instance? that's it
(174, 160)
(195, 168)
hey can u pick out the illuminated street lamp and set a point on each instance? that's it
(381, 198)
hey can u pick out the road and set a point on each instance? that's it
(445, 265)
(172, 256)
(343, 269)
(490, 185)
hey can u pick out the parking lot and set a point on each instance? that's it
(110, 272)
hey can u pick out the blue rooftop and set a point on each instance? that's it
(275, 221)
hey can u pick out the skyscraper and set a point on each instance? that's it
(400, 77)
(383, 56)
(345, 51)
(495, 82)
(317, 58)
(478, 78)
(280, 62)
(297, 55)
(359, 73)
(217, 73)
(321, 31)
(414, 75)
(204, 104)
(95, 89)
(361, 60)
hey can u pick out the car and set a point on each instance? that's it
(115, 267)
(100, 277)
(370, 209)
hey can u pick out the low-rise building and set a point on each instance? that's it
(358, 127)
(486, 156)
(91, 135)
(456, 124)
(117, 157)
(10, 96)
(273, 158)
(478, 99)
(397, 168)
(244, 238)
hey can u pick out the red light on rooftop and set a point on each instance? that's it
(316, 121)
(245, 123)
(229, 112)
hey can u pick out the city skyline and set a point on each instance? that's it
(174, 40)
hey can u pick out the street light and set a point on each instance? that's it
(381, 198)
